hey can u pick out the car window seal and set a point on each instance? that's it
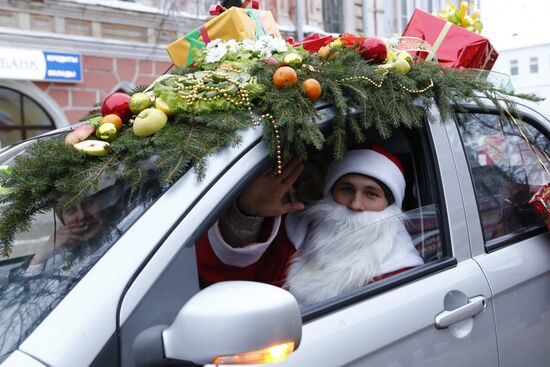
(324, 308)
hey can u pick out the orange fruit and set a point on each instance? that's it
(285, 75)
(324, 51)
(113, 119)
(312, 89)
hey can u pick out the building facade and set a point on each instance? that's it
(117, 45)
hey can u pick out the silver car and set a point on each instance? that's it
(129, 293)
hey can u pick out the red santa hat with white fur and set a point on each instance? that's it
(375, 162)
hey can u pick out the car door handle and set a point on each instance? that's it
(447, 318)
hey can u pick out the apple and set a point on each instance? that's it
(160, 104)
(138, 102)
(94, 121)
(401, 66)
(272, 61)
(93, 147)
(79, 134)
(107, 131)
(373, 49)
(117, 103)
(405, 55)
(149, 121)
(293, 60)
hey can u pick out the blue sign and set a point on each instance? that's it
(40, 65)
(61, 67)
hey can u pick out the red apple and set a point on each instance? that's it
(117, 103)
(373, 49)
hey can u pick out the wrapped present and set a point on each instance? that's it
(233, 23)
(312, 43)
(541, 203)
(452, 45)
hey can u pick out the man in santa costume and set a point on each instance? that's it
(351, 237)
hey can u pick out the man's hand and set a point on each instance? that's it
(264, 196)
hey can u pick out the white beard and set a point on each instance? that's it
(342, 250)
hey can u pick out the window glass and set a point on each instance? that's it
(514, 69)
(505, 172)
(331, 247)
(534, 65)
(46, 262)
(21, 117)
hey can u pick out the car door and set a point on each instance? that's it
(389, 323)
(392, 322)
(499, 172)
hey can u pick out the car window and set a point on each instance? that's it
(417, 228)
(505, 171)
(63, 244)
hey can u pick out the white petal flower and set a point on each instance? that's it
(231, 45)
(215, 54)
(265, 52)
(213, 43)
(277, 44)
(249, 45)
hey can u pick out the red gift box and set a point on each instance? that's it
(541, 203)
(454, 46)
(312, 43)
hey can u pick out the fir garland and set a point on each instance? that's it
(53, 174)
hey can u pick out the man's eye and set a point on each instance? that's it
(346, 189)
(372, 194)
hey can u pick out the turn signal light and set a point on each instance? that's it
(273, 354)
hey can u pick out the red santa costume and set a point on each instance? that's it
(326, 249)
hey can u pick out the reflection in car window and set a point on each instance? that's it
(47, 262)
(506, 173)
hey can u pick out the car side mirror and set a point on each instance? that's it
(226, 323)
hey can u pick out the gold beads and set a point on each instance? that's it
(277, 141)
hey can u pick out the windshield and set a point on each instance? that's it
(61, 246)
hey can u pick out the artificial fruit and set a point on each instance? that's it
(373, 49)
(79, 134)
(149, 121)
(117, 103)
(93, 147)
(138, 102)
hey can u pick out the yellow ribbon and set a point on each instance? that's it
(439, 40)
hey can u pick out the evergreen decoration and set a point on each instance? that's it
(52, 174)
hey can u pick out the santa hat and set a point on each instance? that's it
(375, 162)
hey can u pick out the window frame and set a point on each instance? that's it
(518, 235)
(514, 67)
(23, 128)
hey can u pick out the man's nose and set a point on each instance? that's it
(80, 214)
(356, 204)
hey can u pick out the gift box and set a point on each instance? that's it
(312, 43)
(541, 203)
(452, 45)
(234, 23)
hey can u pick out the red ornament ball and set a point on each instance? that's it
(117, 103)
(373, 49)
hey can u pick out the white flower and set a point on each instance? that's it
(215, 54)
(231, 45)
(250, 45)
(265, 52)
(277, 44)
(213, 43)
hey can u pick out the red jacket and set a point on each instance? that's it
(271, 268)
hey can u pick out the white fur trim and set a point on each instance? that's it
(370, 163)
(240, 256)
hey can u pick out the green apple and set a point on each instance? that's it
(149, 121)
(401, 66)
(139, 102)
(405, 55)
(93, 147)
(293, 60)
(107, 131)
(160, 104)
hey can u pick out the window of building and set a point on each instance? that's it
(404, 14)
(21, 117)
(533, 65)
(332, 16)
(505, 170)
(514, 69)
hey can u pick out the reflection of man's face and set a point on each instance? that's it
(83, 220)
